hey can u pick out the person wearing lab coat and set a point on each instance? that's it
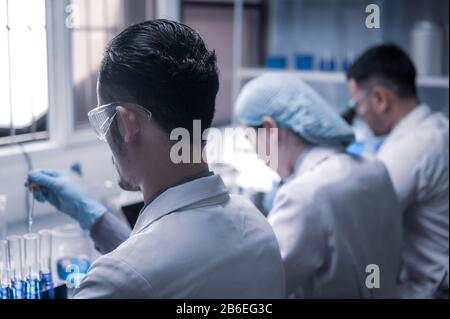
(192, 239)
(383, 82)
(335, 215)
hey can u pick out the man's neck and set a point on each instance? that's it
(155, 182)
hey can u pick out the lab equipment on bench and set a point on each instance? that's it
(72, 253)
(33, 287)
(26, 267)
(5, 282)
(45, 262)
(18, 282)
(31, 188)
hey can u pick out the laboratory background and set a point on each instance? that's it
(50, 52)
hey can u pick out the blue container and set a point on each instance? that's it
(276, 62)
(33, 289)
(6, 293)
(47, 286)
(19, 289)
(327, 64)
(304, 62)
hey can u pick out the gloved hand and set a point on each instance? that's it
(60, 190)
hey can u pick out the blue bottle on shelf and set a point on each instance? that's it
(304, 61)
(276, 62)
(327, 63)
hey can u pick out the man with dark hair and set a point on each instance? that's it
(382, 83)
(192, 239)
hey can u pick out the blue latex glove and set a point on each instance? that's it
(60, 190)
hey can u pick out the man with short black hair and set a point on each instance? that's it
(192, 239)
(382, 82)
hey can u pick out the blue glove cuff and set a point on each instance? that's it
(93, 210)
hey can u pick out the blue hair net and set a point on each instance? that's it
(294, 104)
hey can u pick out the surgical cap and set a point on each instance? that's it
(293, 104)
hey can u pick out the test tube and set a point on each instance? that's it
(45, 257)
(2, 216)
(45, 250)
(32, 266)
(5, 282)
(15, 247)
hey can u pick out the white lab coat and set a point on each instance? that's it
(193, 241)
(416, 156)
(334, 217)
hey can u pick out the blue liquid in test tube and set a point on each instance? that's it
(33, 280)
(5, 279)
(45, 271)
(15, 246)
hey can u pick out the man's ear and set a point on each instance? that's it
(268, 122)
(381, 98)
(130, 124)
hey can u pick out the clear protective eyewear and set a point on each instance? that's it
(354, 103)
(350, 112)
(102, 117)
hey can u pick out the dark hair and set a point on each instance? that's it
(387, 64)
(163, 66)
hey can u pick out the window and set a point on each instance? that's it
(95, 23)
(23, 71)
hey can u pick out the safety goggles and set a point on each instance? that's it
(102, 117)
(352, 106)
(354, 103)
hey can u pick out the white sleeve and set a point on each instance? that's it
(108, 233)
(298, 227)
(112, 278)
(403, 164)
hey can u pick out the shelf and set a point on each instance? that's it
(433, 81)
(334, 77)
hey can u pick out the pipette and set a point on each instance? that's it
(31, 187)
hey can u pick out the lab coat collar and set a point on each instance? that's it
(314, 156)
(409, 122)
(207, 190)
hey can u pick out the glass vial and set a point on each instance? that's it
(33, 289)
(15, 246)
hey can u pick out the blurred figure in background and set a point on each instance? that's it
(382, 81)
(335, 214)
